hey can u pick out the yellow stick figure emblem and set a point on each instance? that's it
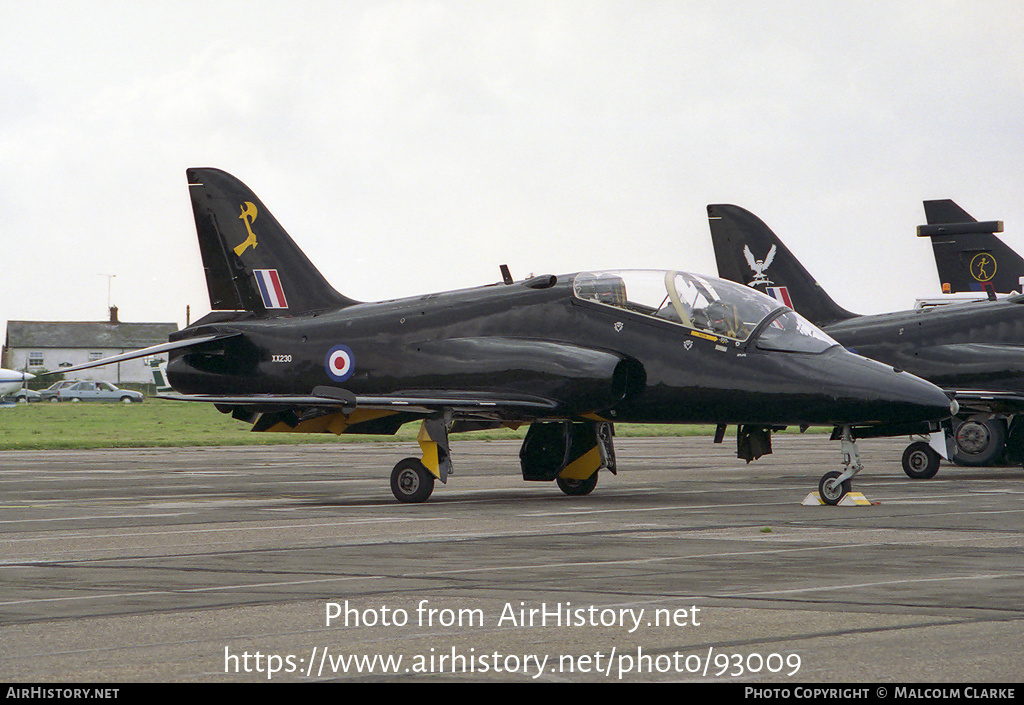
(983, 267)
(248, 217)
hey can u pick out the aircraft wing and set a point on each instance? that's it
(988, 401)
(343, 400)
(334, 410)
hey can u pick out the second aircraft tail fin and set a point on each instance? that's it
(748, 252)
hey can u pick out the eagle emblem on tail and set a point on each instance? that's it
(757, 266)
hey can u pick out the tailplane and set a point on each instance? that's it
(748, 252)
(251, 263)
(968, 255)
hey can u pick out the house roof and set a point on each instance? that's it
(86, 334)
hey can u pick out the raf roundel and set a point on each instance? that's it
(340, 363)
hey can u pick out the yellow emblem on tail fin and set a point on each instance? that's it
(248, 217)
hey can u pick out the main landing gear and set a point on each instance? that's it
(411, 481)
(973, 441)
(921, 458)
(570, 453)
(577, 488)
(920, 461)
(979, 441)
(835, 485)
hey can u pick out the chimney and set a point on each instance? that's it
(113, 314)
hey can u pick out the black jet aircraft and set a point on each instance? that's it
(968, 255)
(569, 355)
(974, 350)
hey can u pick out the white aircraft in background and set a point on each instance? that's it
(11, 381)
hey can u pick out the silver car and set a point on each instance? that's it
(97, 391)
(51, 392)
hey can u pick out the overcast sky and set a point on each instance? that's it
(412, 146)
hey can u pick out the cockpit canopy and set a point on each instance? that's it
(720, 308)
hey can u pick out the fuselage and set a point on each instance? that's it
(978, 345)
(540, 339)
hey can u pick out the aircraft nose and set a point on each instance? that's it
(920, 398)
(12, 376)
(888, 395)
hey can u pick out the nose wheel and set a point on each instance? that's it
(835, 485)
(831, 489)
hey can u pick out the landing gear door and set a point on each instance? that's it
(573, 451)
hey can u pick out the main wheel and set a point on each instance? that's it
(979, 442)
(830, 491)
(577, 488)
(920, 461)
(411, 481)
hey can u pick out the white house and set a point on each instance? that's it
(51, 345)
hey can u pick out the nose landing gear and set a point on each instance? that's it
(835, 485)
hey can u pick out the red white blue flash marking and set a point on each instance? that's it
(781, 294)
(269, 284)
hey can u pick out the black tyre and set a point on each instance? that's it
(830, 491)
(411, 482)
(979, 442)
(920, 461)
(577, 488)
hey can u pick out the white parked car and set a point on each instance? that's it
(97, 391)
(23, 396)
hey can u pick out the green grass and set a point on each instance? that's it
(150, 424)
(157, 422)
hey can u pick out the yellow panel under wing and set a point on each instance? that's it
(337, 423)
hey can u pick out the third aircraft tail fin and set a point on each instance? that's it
(968, 255)
(748, 252)
(251, 262)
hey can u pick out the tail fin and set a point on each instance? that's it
(251, 262)
(946, 211)
(748, 252)
(968, 255)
